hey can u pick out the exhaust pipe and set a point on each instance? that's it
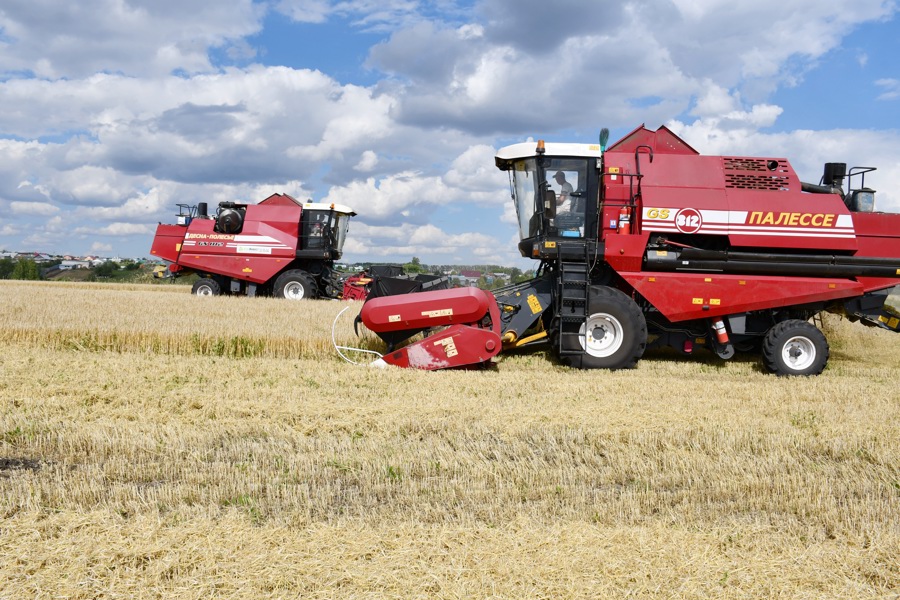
(832, 180)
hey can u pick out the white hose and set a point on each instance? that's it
(339, 348)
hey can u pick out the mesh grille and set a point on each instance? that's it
(745, 164)
(747, 174)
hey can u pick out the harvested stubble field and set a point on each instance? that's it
(154, 444)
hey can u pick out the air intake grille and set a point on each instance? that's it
(756, 174)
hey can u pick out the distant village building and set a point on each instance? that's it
(38, 257)
(68, 265)
(466, 278)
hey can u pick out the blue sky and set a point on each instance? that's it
(114, 111)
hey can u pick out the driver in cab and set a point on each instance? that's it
(564, 197)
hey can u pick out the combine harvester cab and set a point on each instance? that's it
(279, 247)
(649, 244)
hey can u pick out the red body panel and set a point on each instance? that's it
(756, 203)
(625, 252)
(257, 253)
(878, 234)
(266, 244)
(741, 198)
(661, 140)
(686, 296)
(167, 241)
(279, 200)
(456, 346)
(355, 287)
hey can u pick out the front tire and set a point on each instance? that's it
(295, 285)
(613, 336)
(206, 287)
(795, 347)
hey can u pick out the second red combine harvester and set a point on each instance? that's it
(280, 247)
(648, 244)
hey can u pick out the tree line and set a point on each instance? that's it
(20, 268)
(27, 268)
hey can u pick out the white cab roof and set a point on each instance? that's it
(338, 208)
(529, 149)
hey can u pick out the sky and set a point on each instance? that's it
(112, 112)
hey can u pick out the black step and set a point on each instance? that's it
(572, 295)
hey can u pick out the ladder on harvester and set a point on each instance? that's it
(572, 295)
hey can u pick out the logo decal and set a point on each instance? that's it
(688, 220)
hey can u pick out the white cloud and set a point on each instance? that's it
(891, 89)
(472, 180)
(429, 242)
(101, 247)
(369, 15)
(473, 172)
(98, 136)
(306, 11)
(367, 161)
(808, 151)
(140, 37)
(116, 229)
(481, 85)
(43, 209)
(545, 70)
(405, 193)
(730, 42)
(239, 127)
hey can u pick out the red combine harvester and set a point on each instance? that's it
(279, 247)
(649, 244)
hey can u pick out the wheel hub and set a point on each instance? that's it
(603, 335)
(799, 353)
(598, 333)
(294, 291)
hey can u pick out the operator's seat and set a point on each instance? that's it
(549, 203)
(577, 203)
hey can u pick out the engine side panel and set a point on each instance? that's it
(878, 235)
(755, 202)
(687, 296)
(167, 241)
(265, 245)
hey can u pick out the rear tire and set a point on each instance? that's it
(613, 336)
(295, 285)
(795, 347)
(206, 287)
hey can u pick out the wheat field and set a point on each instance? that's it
(158, 445)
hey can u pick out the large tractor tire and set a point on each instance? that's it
(795, 347)
(613, 336)
(295, 285)
(206, 287)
